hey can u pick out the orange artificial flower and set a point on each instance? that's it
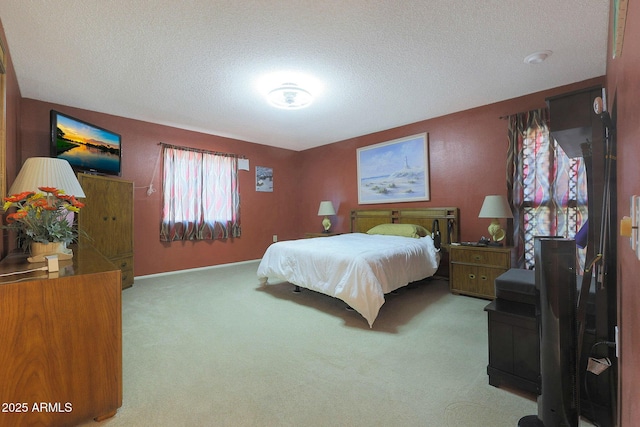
(48, 189)
(17, 197)
(40, 203)
(42, 218)
(12, 217)
(76, 203)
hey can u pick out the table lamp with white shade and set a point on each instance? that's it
(495, 207)
(49, 173)
(326, 209)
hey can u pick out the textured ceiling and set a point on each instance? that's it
(196, 64)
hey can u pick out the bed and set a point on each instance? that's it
(386, 250)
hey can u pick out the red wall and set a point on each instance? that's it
(623, 87)
(467, 160)
(467, 153)
(262, 214)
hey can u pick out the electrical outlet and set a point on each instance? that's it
(275, 238)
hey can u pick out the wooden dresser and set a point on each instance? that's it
(473, 269)
(61, 355)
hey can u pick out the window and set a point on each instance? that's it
(548, 190)
(200, 195)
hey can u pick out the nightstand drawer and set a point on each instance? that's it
(473, 270)
(483, 257)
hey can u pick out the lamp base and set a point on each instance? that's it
(495, 231)
(326, 224)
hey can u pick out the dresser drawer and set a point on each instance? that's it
(125, 264)
(127, 278)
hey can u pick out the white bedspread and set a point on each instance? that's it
(357, 268)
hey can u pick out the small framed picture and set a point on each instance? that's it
(264, 179)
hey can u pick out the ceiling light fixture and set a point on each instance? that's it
(289, 96)
(537, 57)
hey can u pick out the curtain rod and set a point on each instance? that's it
(506, 116)
(200, 150)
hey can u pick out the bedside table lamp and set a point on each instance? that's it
(53, 224)
(326, 209)
(495, 207)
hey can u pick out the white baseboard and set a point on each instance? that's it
(189, 270)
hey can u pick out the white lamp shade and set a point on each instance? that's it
(47, 172)
(495, 207)
(326, 208)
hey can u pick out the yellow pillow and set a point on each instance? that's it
(405, 230)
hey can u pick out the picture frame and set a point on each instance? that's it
(394, 171)
(619, 21)
(264, 179)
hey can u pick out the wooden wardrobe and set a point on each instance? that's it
(106, 222)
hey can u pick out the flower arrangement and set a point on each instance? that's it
(42, 217)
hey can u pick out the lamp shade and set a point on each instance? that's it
(47, 172)
(326, 208)
(495, 207)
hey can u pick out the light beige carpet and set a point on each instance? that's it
(213, 348)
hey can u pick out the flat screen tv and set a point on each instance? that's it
(85, 146)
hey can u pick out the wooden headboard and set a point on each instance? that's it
(364, 219)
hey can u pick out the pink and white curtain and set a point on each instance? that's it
(547, 190)
(201, 199)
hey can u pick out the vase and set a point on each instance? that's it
(42, 249)
(39, 250)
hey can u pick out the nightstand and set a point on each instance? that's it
(473, 269)
(308, 235)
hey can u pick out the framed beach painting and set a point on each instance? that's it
(394, 171)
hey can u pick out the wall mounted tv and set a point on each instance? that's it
(85, 146)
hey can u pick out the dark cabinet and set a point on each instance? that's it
(514, 347)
